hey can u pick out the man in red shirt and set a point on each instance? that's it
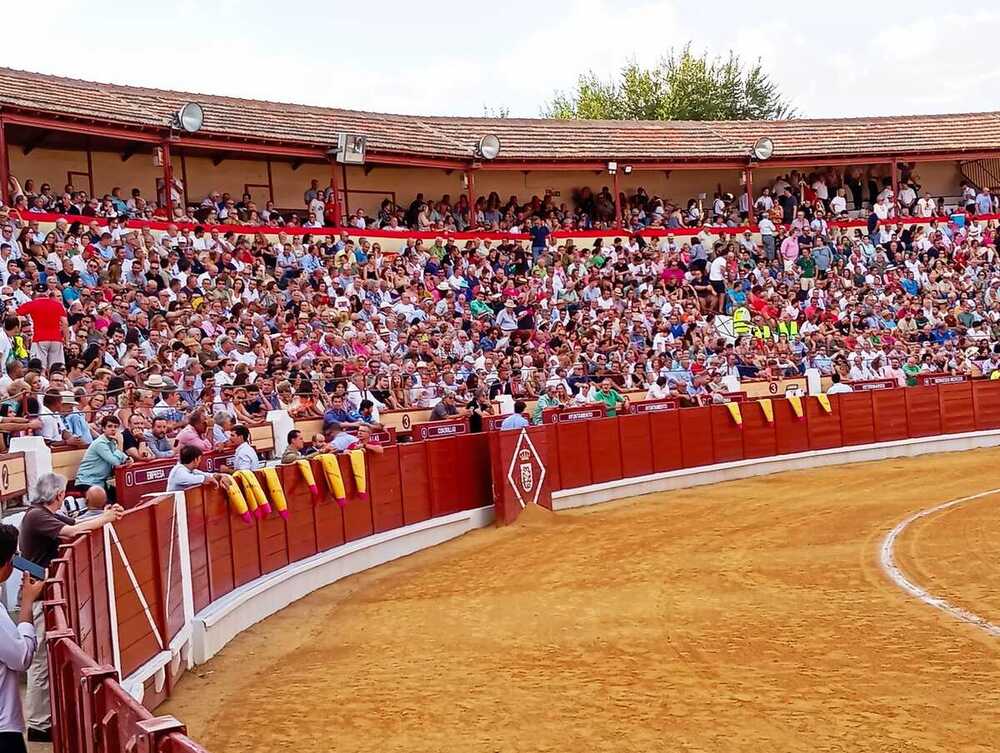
(49, 327)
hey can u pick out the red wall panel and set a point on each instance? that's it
(665, 431)
(889, 410)
(272, 543)
(357, 512)
(759, 439)
(986, 403)
(301, 523)
(923, 411)
(636, 445)
(605, 449)
(574, 454)
(552, 461)
(791, 433)
(823, 427)
(329, 519)
(220, 549)
(727, 435)
(696, 436)
(957, 411)
(857, 417)
(385, 489)
(198, 546)
(246, 551)
(415, 483)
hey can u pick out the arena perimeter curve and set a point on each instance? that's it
(748, 616)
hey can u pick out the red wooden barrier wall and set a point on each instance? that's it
(696, 436)
(413, 482)
(923, 411)
(857, 417)
(759, 434)
(727, 435)
(636, 440)
(889, 411)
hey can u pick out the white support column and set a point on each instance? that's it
(37, 459)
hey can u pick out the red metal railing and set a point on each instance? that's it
(91, 712)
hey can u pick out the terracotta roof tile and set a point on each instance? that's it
(521, 139)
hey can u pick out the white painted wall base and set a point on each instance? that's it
(226, 618)
(713, 474)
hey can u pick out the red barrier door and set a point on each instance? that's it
(957, 411)
(759, 438)
(415, 483)
(986, 404)
(791, 432)
(857, 417)
(823, 427)
(665, 434)
(727, 435)
(923, 411)
(889, 409)
(636, 445)
(696, 433)
(385, 488)
(605, 450)
(574, 454)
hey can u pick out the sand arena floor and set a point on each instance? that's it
(748, 616)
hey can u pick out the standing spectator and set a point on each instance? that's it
(43, 528)
(17, 646)
(516, 420)
(611, 397)
(49, 328)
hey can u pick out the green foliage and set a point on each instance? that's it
(681, 86)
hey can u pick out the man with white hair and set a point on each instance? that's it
(43, 529)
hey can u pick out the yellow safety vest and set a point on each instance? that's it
(789, 329)
(741, 321)
(762, 333)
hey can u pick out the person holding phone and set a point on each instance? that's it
(43, 528)
(18, 644)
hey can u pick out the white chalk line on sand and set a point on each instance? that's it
(888, 562)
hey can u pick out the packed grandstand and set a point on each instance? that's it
(184, 310)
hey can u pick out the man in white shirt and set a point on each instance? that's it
(838, 387)
(246, 458)
(17, 646)
(717, 279)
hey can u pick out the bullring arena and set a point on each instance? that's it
(750, 615)
(605, 501)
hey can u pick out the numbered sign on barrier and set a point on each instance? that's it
(586, 413)
(440, 429)
(939, 377)
(135, 480)
(651, 406)
(492, 423)
(873, 384)
(385, 437)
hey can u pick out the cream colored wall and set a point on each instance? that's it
(940, 178)
(48, 166)
(138, 171)
(231, 175)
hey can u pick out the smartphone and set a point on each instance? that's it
(33, 569)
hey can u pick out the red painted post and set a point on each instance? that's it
(168, 179)
(337, 217)
(749, 182)
(4, 164)
(470, 187)
(618, 208)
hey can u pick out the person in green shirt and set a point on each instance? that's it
(807, 266)
(479, 308)
(102, 456)
(548, 399)
(911, 368)
(611, 397)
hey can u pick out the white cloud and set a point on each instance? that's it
(455, 57)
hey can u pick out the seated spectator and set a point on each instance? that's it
(363, 440)
(102, 457)
(185, 475)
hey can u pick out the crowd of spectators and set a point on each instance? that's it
(145, 342)
(832, 194)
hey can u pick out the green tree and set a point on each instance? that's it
(681, 86)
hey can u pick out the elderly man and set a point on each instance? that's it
(43, 528)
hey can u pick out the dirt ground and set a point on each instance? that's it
(749, 616)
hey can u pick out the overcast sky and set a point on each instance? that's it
(457, 58)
